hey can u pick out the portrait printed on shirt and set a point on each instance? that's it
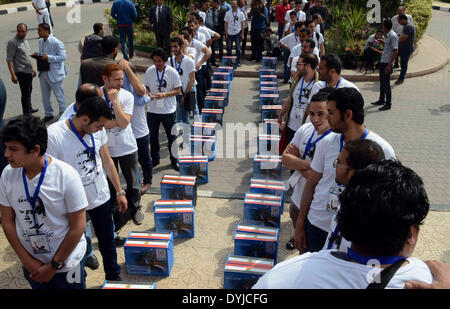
(88, 167)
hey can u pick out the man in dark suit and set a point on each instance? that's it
(160, 18)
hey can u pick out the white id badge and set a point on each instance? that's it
(299, 113)
(333, 199)
(293, 180)
(39, 243)
(99, 183)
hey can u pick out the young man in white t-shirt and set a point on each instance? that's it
(234, 26)
(355, 155)
(316, 36)
(203, 53)
(122, 143)
(185, 68)
(382, 209)
(308, 46)
(346, 117)
(301, 16)
(43, 208)
(81, 141)
(297, 104)
(288, 43)
(300, 152)
(289, 27)
(330, 67)
(163, 84)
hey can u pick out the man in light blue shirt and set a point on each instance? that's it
(225, 5)
(390, 52)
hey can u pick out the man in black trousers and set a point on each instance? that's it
(160, 18)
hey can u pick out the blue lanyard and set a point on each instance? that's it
(342, 139)
(384, 260)
(91, 151)
(234, 16)
(333, 237)
(296, 40)
(309, 145)
(301, 89)
(339, 82)
(160, 81)
(293, 29)
(178, 66)
(75, 108)
(106, 99)
(36, 191)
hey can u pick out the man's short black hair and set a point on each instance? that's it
(188, 29)
(97, 27)
(195, 14)
(299, 25)
(109, 43)
(27, 130)
(177, 40)
(363, 152)
(319, 97)
(308, 22)
(82, 93)
(292, 13)
(379, 205)
(316, 16)
(332, 62)
(22, 24)
(327, 91)
(402, 17)
(45, 27)
(349, 98)
(95, 108)
(308, 32)
(311, 42)
(387, 23)
(159, 52)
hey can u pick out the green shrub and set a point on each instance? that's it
(421, 11)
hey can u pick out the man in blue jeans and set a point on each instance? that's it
(43, 208)
(81, 141)
(234, 26)
(258, 13)
(405, 45)
(390, 52)
(124, 12)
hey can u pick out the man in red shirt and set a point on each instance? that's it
(280, 13)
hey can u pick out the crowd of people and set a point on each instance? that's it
(345, 178)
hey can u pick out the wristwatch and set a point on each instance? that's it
(57, 265)
(121, 193)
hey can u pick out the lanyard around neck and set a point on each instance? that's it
(91, 151)
(36, 191)
(177, 66)
(342, 139)
(383, 260)
(310, 145)
(301, 89)
(160, 81)
(106, 99)
(339, 82)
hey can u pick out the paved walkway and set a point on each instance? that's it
(417, 127)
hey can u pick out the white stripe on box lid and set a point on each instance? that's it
(211, 125)
(150, 235)
(147, 243)
(173, 177)
(187, 209)
(262, 202)
(270, 187)
(271, 106)
(193, 158)
(173, 202)
(267, 157)
(263, 196)
(249, 260)
(245, 269)
(267, 182)
(257, 229)
(247, 236)
(215, 98)
(212, 111)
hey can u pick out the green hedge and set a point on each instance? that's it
(421, 11)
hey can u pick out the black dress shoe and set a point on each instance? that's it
(34, 110)
(377, 103)
(120, 241)
(175, 166)
(92, 262)
(155, 163)
(385, 107)
(399, 81)
(47, 118)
